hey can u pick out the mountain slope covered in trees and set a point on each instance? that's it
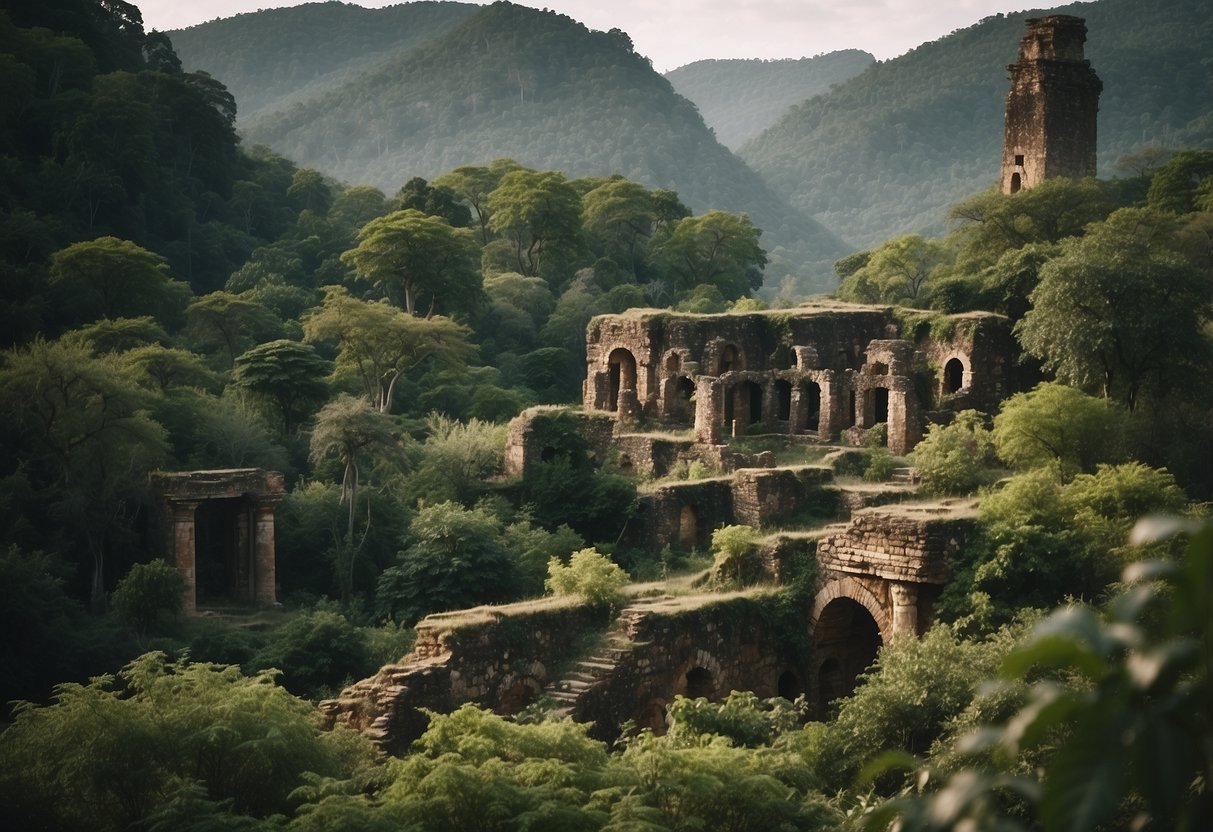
(740, 98)
(542, 89)
(888, 151)
(274, 57)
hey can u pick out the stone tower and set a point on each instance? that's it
(1051, 107)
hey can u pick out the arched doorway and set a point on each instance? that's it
(743, 404)
(783, 400)
(687, 527)
(846, 639)
(622, 366)
(789, 686)
(1016, 183)
(880, 406)
(953, 376)
(700, 683)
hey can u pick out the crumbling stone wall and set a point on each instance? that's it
(526, 437)
(497, 657)
(708, 649)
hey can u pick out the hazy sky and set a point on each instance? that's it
(677, 32)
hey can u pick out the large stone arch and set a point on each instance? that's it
(860, 594)
(685, 681)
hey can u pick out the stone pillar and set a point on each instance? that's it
(833, 400)
(796, 411)
(263, 542)
(770, 405)
(709, 410)
(905, 609)
(628, 406)
(183, 515)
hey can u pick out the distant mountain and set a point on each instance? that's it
(740, 98)
(537, 87)
(888, 151)
(275, 57)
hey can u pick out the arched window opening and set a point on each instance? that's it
(700, 683)
(673, 363)
(730, 360)
(686, 389)
(1016, 183)
(953, 376)
(622, 365)
(783, 400)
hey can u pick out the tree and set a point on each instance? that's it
(378, 344)
(146, 593)
(222, 319)
(350, 426)
(416, 258)
(458, 458)
(112, 278)
(474, 183)
(621, 214)
(287, 373)
(79, 429)
(895, 271)
(1118, 310)
(537, 211)
(956, 458)
(310, 191)
(716, 248)
(1056, 425)
(435, 200)
(732, 546)
(456, 559)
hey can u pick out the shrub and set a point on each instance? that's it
(955, 459)
(147, 594)
(1059, 426)
(316, 653)
(731, 547)
(591, 575)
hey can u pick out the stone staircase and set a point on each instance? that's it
(909, 476)
(614, 646)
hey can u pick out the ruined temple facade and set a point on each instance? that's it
(821, 371)
(219, 532)
(1051, 106)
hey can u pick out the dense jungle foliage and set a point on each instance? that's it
(173, 300)
(740, 98)
(887, 152)
(535, 86)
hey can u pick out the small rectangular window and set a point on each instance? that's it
(1019, 159)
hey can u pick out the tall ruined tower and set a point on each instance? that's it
(1051, 107)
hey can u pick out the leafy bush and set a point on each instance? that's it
(147, 594)
(732, 546)
(742, 717)
(957, 458)
(1060, 426)
(591, 575)
(316, 653)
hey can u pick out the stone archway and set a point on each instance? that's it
(621, 366)
(953, 376)
(698, 677)
(848, 626)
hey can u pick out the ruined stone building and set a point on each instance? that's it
(1051, 106)
(818, 371)
(219, 532)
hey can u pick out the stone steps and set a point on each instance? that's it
(908, 476)
(602, 659)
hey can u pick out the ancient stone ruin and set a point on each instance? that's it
(818, 370)
(219, 531)
(1051, 106)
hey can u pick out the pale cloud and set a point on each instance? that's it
(676, 32)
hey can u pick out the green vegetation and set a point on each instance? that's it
(740, 98)
(589, 575)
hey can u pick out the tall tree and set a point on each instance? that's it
(415, 257)
(1119, 310)
(537, 211)
(717, 248)
(377, 343)
(474, 183)
(110, 278)
(287, 373)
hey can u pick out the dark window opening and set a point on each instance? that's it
(730, 359)
(1016, 183)
(547, 454)
(755, 402)
(789, 686)
(953, 375)
(687, 527)
(622, 365)
(812, 406)
(879, 369)
(686, 389)
(673, 363)
(1019, 160)
(851, 409)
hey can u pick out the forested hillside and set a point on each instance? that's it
(540, 88)
(740, 98)
(887, 152)
(273, 57)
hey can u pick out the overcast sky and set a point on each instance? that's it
(676, 32)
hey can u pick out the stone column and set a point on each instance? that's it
(263, 542)
(833, 400)
(709, 410)
(183, 514)
(796, 411)
(905, 609)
